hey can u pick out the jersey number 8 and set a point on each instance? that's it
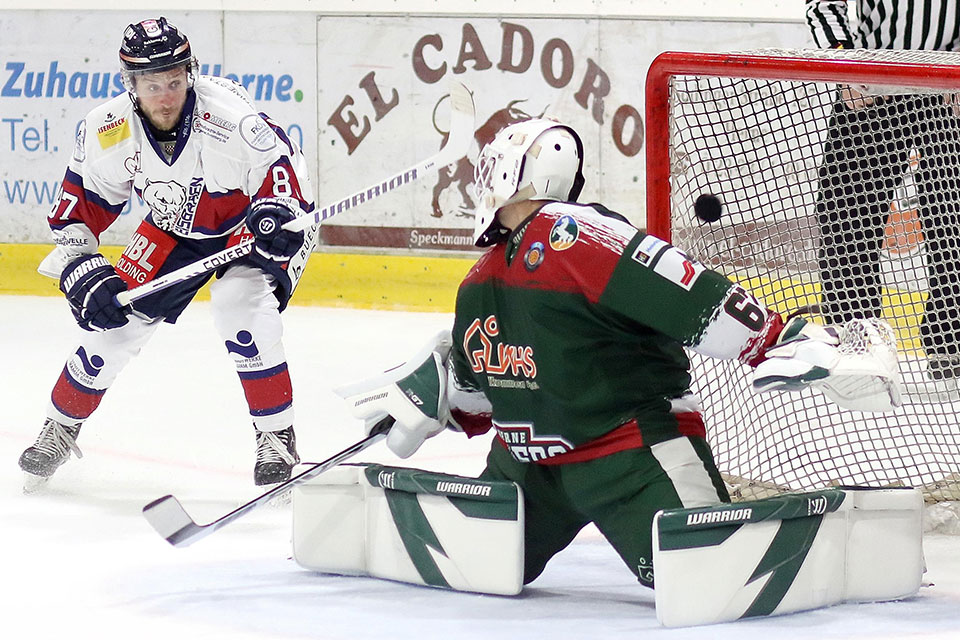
(281, 183)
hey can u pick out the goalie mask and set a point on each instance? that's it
(536, 159)
(153, 46)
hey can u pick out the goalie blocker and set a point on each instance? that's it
(412, 526)
(787, 553)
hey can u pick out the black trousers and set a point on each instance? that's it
(865, 157)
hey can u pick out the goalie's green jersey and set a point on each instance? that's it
(574, 329)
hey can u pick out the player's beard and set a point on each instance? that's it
(164, 119)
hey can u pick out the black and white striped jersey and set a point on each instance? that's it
(886, 24)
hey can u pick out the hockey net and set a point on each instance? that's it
(839, 200)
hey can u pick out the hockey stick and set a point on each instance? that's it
(168, 517)
(462, 121)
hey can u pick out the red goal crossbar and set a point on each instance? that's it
(752, 65)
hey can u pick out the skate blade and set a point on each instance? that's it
(33, 483)
(279, 501)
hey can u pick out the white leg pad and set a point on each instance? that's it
(411, 526)
(787, 553)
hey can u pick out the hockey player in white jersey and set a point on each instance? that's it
(209, 167)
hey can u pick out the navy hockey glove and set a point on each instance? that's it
(264, 220)
(90, 283)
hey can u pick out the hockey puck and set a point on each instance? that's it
(708, 207)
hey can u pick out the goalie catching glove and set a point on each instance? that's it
(415, 394)
(854, 365)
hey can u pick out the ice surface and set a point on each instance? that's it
(79, 560)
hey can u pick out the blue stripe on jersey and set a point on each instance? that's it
(260, 413)
(263, 373)
(93, 198)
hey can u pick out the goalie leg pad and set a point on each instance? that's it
(412, 526)
(788, 553)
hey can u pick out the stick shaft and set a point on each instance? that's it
(168, 517)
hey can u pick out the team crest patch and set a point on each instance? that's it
(166, 200)
(564, 233)
(534, 256)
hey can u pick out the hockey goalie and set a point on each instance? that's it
(569, 342)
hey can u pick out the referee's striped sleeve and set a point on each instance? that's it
(829, 23)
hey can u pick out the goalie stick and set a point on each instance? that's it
(168, 517)
(462, 121)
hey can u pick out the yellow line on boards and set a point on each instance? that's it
(363, 281)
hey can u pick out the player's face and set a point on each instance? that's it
(162, 96)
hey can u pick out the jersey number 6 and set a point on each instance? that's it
(744, 309)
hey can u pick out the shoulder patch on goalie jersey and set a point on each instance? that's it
(564, 233)
(648, 250)
(668, 262)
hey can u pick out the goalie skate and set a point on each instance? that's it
(51, 449)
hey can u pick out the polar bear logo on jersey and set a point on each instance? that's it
(166, 200)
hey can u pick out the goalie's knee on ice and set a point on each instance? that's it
(785, 554)
(395, 522)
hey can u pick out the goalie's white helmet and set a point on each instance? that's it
(537, 159)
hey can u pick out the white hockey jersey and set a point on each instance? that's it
(227, 155)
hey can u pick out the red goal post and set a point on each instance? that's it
(767, 132)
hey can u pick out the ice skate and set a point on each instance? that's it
(276, 456)
(51, 449)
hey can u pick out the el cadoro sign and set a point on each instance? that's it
(364, 96)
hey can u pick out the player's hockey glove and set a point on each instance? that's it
(804, 352)
(414, 393)
(854, 365)
(265, 220)
(90, 283)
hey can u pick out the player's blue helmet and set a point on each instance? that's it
(151, 46)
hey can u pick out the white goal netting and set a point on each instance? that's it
(839, 178)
